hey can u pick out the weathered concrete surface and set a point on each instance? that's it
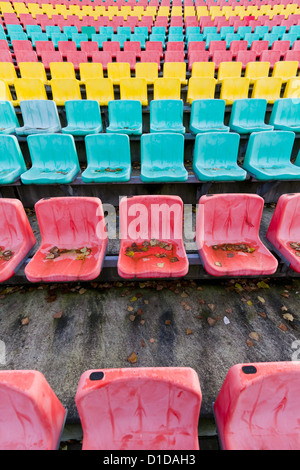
(163, 323)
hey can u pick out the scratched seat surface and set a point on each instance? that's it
(142, 408)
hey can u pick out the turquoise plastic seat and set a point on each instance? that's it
(224, 30)
(242, 30)
(38, 37)
(50, 30)
(250, 38)
(126, 30)
(120, 38)
(211, 37)
(54, 159)
(268, 156)
(125, 117)
(261, 31)
(39, 116)
(8, 118)
(33, 28)
(158, 38)
(208, 116)
(14, 28)
(166, 116)
(209, 30)
(18, 37)
(248, 115)
(141, 30)
(286, 114)
(108, 31)
(83, 117)
(162, 158)
(89, 31)
(215, 157)
(108, 158)
(56, 37)
(99, 39)
(78, 38)
(12, 163)
(69, 30)
(138, 37)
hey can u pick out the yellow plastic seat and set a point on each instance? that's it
(229, 70)
(8, 72)
(267, 88)
(167, 89)
(89, 70)
(48, 9)
(134, 89)
(33, 70)
(6, 7)
(64, 89)
(292, 88)
(61, 10)
(5, 94)
(147, 70)
(236, 89)
(188, 11)
(29, 89)
(285, 70)
(176, 11)
(202, 11)
(118, 70)
(100, 89)
(203, 70)
(75, 10)
(175, 70)
(255, 70)
(62, 70)
(201, 89)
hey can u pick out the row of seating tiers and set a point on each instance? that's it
(66, 255)
(33, 423)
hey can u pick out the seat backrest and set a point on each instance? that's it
(83, 113)
(11, 154)
(216, 149)
(62, 70)
(208, 111)
(285, 222)
(40, 114)
(30, 89)
(123, 111)
(166, 111)
(108, 150)
(286, 111)
(249, 111)
(162, 149)
(266, 149)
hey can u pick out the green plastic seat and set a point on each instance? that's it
(268, 156)
(125, 117)
(8, 118)
(12, 163)
(162, 158)
(54, 159)
(83, 117)
(286, 114)
(215, 157)
(248, 115)
(208, 116)
(39, 116)
(166, 116)
(89, 31)
(108, 158)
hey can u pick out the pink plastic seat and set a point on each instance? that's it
(174, 56)
(65, 47)
(282, 46)
(127, 57)
(196, 46)
(32, 417)
(259, 47)
(270, 56)
(76, 58)
(155, 46)
(133, 46)
(197, 56)
(237, 46)
(293, 55)
(111, 46)
(16, 237)
(216, 46)
(221, 56)
(47, 57)
(175, 46)
(22, 45)
(160, 219)
(154, 408)
(89, 47)
(4, 45)
(191, 21)
(5, 56)
(224, 220)
(70, 225)
(26, 56)
(44, 46)
(245, 57)
(103, 58)
(151, 57)
(284, 229)
(258, 407)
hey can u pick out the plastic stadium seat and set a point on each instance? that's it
(64, 89)
(134, 89)
(160, 223)
(175, 70)
(5, 56)
(174, 56)
(248, 115)
(26, 56)
(208, 116)
(90, 70)
(236, 89)
(49, 57)
(285, 70)
(76, 58)
(133, 46)
(238, 46)
(215, 157)
(12, 163)
(127, 57)
(83, 117)
(39, 116)
(267, 88)
(62, 70)
(292, 88)
(216, 46)
(292, 55)
(8, 119)
(167, 88)
(148, 71)
(229, 70)
(116, 71)
(33, 70)
(66, 46)
(203, 70)
(108, 158)
(111, 46)
(270, 56)
(5, 94)
(245, 57)
(100, 89)
(44, 46)
(29, 89)
(259, 47)
(125, 117)
(47, 165)
(162, 157)
(150, 57)
(255, 70)
(201, 88)
(166, 116)
(21, 45)
(73, 239)
(123, 390)
(282, 46)
(267, 394)
(7, 73)
(102, 58)
(285, 114)
(228, 224)
(32, 417)
(268, 156)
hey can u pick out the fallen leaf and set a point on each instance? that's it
(184, 294)
(261, 299)
(211, 321)
(211, 307)
(263, 285)
(217, 263)
(58, 314)
(284, 309)
(249, 342)
(142, 343)
(139, 311)
(249, 303)
(146, 301)
(132, 317)
(189, 331)
(25, 321)
(132, 358)
(253, 335)
(228, 310)
(288, 316)
(282, 327)
(81, 291)
(262, 314)
(168, 322)
(151, 340)
(284, 294)
(160, 265)
(133, 299)
(142, 322)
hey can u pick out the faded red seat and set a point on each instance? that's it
(154, 408)
(127, 57)
(161, 220)
(16, 237)
(225, 220)
(284, 229)
(69, 224)
(258, 407)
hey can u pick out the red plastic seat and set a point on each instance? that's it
(22, 45)
(127, 57)
(66, 46)
(160, 219)
(174, 56)
(151, 57)
(4, 45)
(103, 58)
(259, 47)
(221, 56)
(197, 56)
(26, 56)
(111, 46)
(175, 46)
(154, 408)
(245, 57)
(89, 47)
(237, 46)
(76, 58)
(5, 56)
(284, 229)
(232, 219)
(16, 236)
(71, 225)
(293, 55)
(191, 21)
(270, 56)
(155, 46)
(282, 46)
(216, 46)
(32, 417)
(44, 46)
(258, 407)
(296, 46)
(47, 57)
(196, 46)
